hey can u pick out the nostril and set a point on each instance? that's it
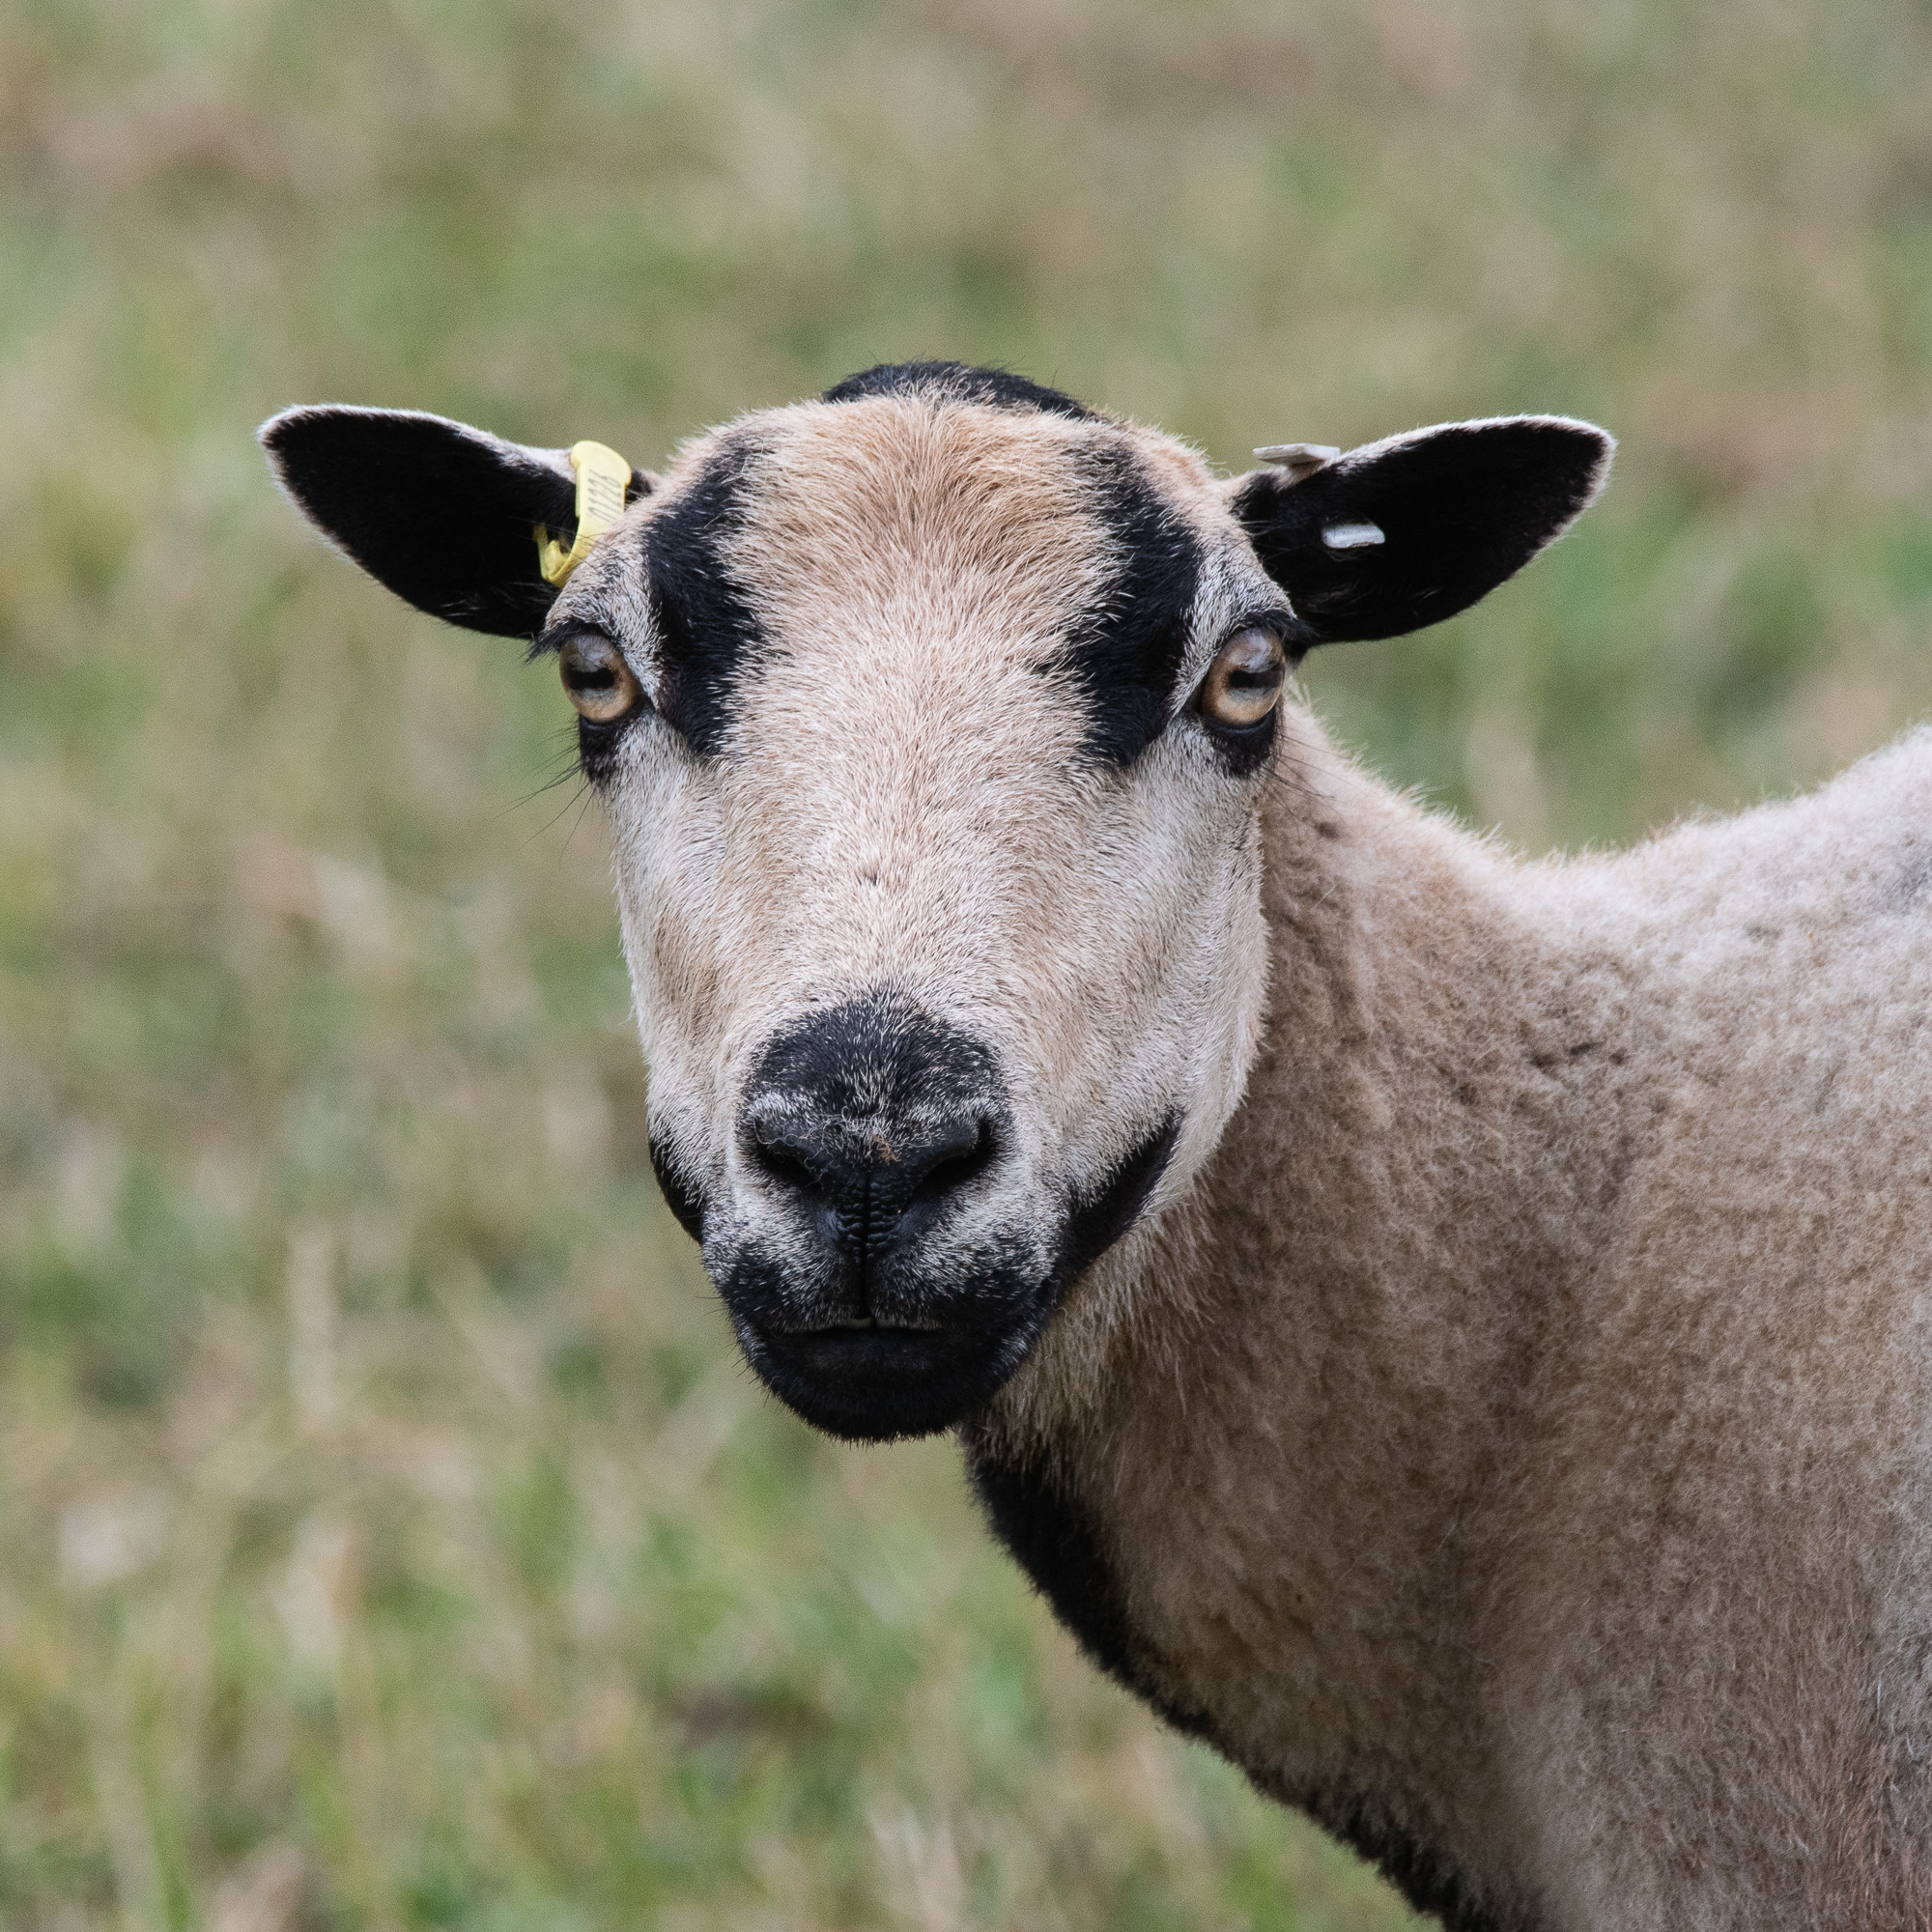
(870, 1160)
(783, 1159)
(954, 1162)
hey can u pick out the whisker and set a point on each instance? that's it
(582, 806)
(568, 765)
(580, 798)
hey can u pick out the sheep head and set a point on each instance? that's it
(933, 720)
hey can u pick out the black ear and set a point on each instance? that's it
(441, 513)
(1407, 531)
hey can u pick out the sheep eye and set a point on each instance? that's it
(1243, 684)
(596, 679)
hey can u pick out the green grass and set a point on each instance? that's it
(389, 1537)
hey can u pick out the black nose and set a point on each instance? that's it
(873, 1159)
(872, 1116)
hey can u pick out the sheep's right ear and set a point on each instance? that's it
(1403, 533)
(441, 513)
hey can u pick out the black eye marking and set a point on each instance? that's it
(1125, 656)
(710, 631)
(597, 751)
(1244, 749)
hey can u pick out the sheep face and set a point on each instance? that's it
(933, 720)
(941, 897)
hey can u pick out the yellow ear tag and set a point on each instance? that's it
(601, 479)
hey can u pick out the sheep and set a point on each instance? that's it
(1451, 1332)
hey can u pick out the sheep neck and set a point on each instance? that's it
(1287, 1424)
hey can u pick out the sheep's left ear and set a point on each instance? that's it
(1402, 533)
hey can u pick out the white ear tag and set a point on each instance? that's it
(1352, 537)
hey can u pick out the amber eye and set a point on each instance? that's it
(596, 678)
(1243, 684)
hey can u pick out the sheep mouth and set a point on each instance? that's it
(925, 1349)
(880, 1383)
(874, 1324)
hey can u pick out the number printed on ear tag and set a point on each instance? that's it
(601, 479)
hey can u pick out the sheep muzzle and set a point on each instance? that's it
(886, 1249)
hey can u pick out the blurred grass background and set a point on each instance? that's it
(389, 1538)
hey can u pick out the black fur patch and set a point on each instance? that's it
(1426, 1876)
(958, 381)
(709, 630)
(1099, 1218)
(597, 748)
(440, 513)
(1124, 657)
(1460, 509)
(683, 1199)
(1050, 1536)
